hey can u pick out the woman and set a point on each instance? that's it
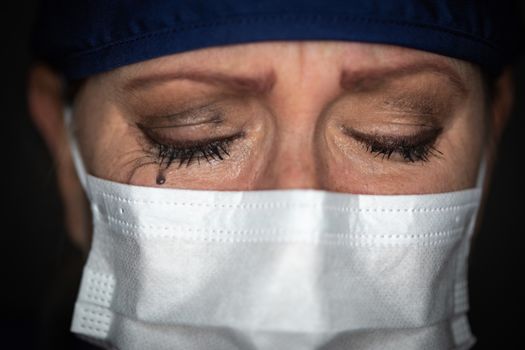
(273, 176)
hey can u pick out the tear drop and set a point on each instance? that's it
(161, 179)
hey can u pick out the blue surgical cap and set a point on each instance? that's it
(83, 37)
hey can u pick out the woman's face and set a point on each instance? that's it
(338, 116)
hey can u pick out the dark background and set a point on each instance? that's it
(41, 270)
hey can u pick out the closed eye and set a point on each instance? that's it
(418, 147)
(187, 152)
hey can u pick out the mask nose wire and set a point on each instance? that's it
(73, 146)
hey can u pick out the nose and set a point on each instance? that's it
(290, 165)
(305, 84)
(286, 173)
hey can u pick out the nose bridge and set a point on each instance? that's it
(291, 163)
(304, 85)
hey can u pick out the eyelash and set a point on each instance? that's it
(214, 149)
(411, 148)
(410, 153)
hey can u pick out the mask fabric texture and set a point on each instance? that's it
(291, 269)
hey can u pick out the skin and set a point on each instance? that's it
(314, 120)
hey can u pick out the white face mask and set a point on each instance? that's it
(274, 269)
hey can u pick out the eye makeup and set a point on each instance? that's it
(179, 126)
(165, 151)
(191, 135)
(206, 114)
(186, 152)
(401, 128)
(418, 147)
(400, 124)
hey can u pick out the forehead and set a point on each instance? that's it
(263, 56)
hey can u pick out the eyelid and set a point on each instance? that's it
(413, 139)
(413, 105)
(208, 113)
(154, 136)
(177, 122)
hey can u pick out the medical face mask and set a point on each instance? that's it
(291, 269)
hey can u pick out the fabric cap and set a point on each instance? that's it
(83, 37)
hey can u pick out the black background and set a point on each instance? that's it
(40, 269)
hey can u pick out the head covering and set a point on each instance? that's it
(83, 37)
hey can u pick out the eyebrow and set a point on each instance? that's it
(367, 80)
(350, 80)
(258, 85)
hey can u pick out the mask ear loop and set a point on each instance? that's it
(482, 171)
(73, 145)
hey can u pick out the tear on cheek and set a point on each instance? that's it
(160, 179)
